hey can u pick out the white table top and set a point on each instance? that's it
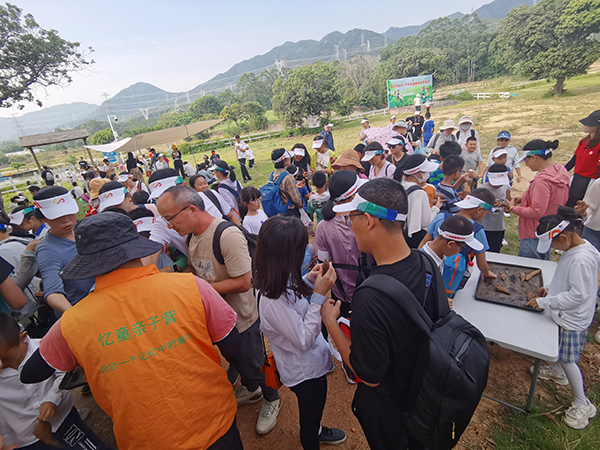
(528, 332)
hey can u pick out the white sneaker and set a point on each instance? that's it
(244, 397)
(504, 242)
(506, 214)
(267, 419)
(350, 380)
(578, 417)
(550, 373)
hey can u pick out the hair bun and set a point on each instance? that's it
(230, 167)
(553, 145)
(568, 213)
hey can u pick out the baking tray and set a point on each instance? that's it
(486, 291)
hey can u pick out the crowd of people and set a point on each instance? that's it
(162, 272)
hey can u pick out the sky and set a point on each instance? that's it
(176, 45)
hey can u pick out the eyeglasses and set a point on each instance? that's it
(170, 219)
(256, 200)
(348, 218)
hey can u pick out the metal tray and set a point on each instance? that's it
(486, 291)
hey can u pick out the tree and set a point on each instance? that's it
(17, 165)
(71, 160)
(227, 98)
(357, 71)
(205, 105)
(553, 39)
(102, 137)
(10, 147)
(236, 113)
(256, 116)
(31, 57)
(258, 88)
(310, 90)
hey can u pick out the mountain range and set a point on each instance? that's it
(146, 100)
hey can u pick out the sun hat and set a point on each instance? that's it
(364, 121)
(527, 153)
(95, 185)
(468, 239)
(401, 124)
(318, 143)
(111, 198)
(348, 158)
(360, 204)
(328, 125)
(504, 135)
(545, 240)
(157, 187)
(173, 147)
(498, 178)
(593, 120)
(396, 140)
(18, 216)
(471, 202)
(412, 164)
(374, 148)
(104, 242)
(392, 117)
(58, 206)
(498, 152)
(417, 112)
(299, 151)
(144, 224)
(123, 177)
(465, 119)
(449, 123)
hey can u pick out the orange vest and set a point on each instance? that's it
(143, 342)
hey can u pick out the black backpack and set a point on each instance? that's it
(250, 239)
(452, 368)
(458, 134)
(363, 270)
(215, 201)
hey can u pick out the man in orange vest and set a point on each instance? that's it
(145, 340)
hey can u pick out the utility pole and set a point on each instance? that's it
(109, 116)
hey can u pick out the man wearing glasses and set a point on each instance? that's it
(183, 209)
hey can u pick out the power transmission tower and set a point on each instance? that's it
(145, 112)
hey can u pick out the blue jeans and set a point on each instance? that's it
(592, 236)
(72, 433)
(528, 249)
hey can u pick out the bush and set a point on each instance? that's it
(462, 96)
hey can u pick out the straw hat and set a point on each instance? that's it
(348, 158)
(95, 186)
(448, 124)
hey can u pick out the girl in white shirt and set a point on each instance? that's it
(571, 298)
(290, 316)
(249, 207)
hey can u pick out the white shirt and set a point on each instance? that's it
(439, 262)
(211, 208)
(253, 223)
(240, 149)
(250, 153)
(20, 403)
(420, 214)
(77, 191)
(573, 290)
(189, 169)
(512, 158)
(161, 165)
(228, 196)
(293, 328)
(323, 160)
(592, 198)
(162, 234)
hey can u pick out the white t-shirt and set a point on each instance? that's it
(241, 150)
(323, 160)
(162, 234)
(253, 223)
(77, 191)
(250, 153)
(211, 208)
(189, 169)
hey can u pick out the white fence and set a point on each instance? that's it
(486, 95)
(377, 112)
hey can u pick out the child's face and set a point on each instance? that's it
(11, 357)
(503, 142)
(253, 205)
(562, 242)
(502, 159)
(451, 248)
(471, 146)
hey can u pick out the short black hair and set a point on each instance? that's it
(391, 195)
(539, 144)
(450, 149)
(360, 148)
(457, 224)
(498, 168)
(138, 213)
(10, 333)
(484, 194)
(49, 192)
(74, 183)
(275, 155)
(428, 115)
(163, 173)
(471, 138)
(140, 197)
(237, 136)
(452, 164)
(319, 179)
(33, 189)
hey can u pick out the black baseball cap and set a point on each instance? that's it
(104, 242)
(593, 120)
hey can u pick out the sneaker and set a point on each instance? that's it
(244, 397)
(350, 380)
(578, 417)
(267, 419)
(504, 242)
(85, 389)
(332, 436)
(550, 373)
(506, 214)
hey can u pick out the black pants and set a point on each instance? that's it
(311, 395)
(251, 163)
(578, 188)
(494, 239)
(178, 166)
(245, 174)
(229, 441)
(250, 360)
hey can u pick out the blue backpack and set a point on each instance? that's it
(270, 197)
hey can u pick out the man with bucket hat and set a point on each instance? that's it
(445, 135)
(145, 340)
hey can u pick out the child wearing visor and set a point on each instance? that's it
(571, 298)
(493, 222)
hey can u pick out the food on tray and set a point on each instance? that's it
(531, 296)
(523, 276)
(502, 289)
(502, 276)
(530, 275)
